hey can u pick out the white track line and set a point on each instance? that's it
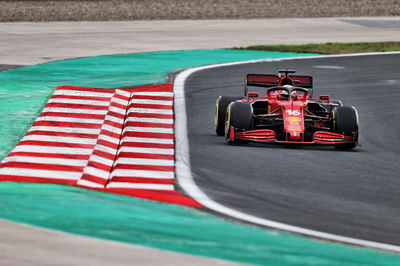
(185, 177)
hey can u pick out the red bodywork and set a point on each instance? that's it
(292, 109)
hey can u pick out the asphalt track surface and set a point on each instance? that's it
(350, 193)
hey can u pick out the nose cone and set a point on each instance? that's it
(294, 121)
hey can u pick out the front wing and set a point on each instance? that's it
(268, 136)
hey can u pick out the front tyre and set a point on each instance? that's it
(220, 112)
(345, 121)
(239, 117)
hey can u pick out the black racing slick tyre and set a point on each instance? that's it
(345, 121)
(239, 115)
(220, 112)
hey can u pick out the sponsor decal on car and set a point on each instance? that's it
(293, 119)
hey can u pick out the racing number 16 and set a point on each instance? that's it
(293, 112)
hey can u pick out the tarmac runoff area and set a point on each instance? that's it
(26, 43)
(33, 43)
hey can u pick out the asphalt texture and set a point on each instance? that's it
(351, 193)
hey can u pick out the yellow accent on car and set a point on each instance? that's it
(228, 121)
(293, 119)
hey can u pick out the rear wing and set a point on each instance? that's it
(270, 80)
(267, 80)
(262, 80)
(302, 81)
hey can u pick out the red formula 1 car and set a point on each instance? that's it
(285, 112)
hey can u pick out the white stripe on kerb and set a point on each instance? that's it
(114, 119)
(47, 149)
(149, 129)
(140, 186)
(147, 140)
(58, 161)
(151, 111)
(149, 120)
(60, 139)
(108, 138)
(120, 101)
(99, 159)
(146, 150)
(117, 110)
(106, 149)
(65, 129)
(75, 101)
(69, 119)
(143, 101)
(87, 183)
(83, 93)
(122, 93)
(40, 173)
(153, 93)
(111, 128)
(74, 110)
(131, 161)
(96, 172)
(143, 174)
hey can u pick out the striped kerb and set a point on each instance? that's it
(113, 140)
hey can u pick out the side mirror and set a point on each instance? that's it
(324, 97)
(253, 95)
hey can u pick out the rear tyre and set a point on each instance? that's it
(239, 117)
(220, 112)
(345, 121)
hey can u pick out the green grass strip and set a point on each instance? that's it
(329, 48)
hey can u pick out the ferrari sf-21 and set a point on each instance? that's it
(284, 111)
